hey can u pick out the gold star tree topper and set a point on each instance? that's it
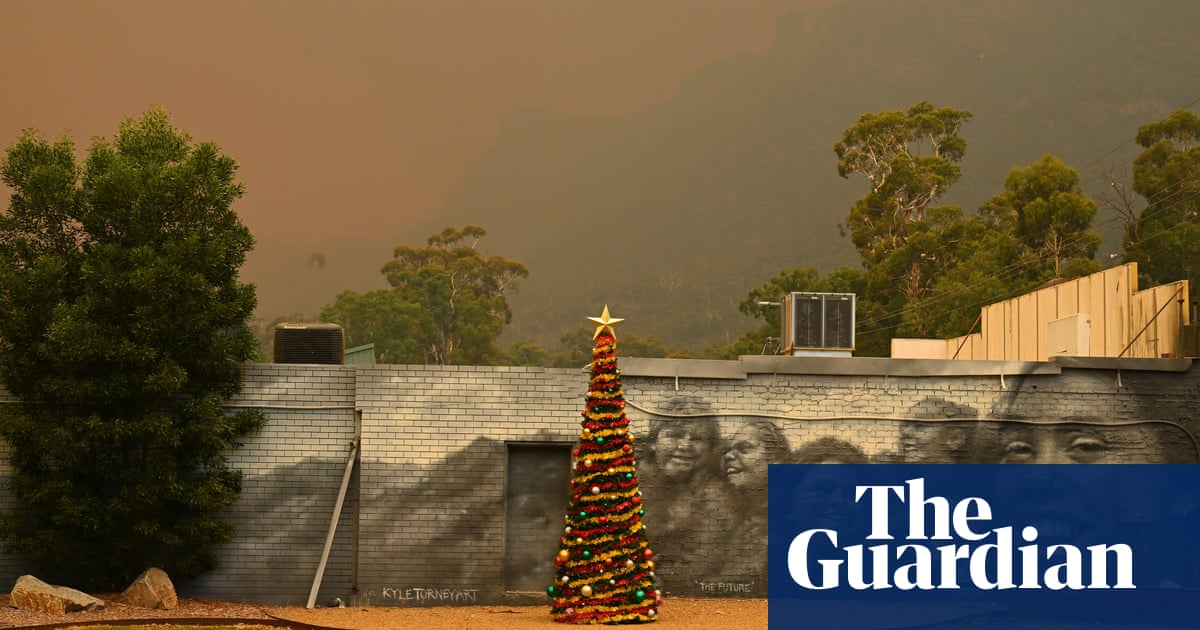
(605, 322)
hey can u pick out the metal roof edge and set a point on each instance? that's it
(882, 366)
(844, 366)
(1131, 364)
(681, 368)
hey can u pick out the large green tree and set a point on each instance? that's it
(382, 317)
(122, 327)
(1037, 231)
(975, 263)
(909, 159)
(447, 304)
(927, 270)
(905, 277)
(1165, 237)
(1044, 209)
(952, 264)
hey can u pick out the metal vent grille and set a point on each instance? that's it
(818, 321)
(309, 343)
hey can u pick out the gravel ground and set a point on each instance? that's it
(678, 613)
(11, 617)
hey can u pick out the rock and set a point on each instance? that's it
(152, 589)
(30, 593)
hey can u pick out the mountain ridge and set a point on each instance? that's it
(734, 178)
(673, 214)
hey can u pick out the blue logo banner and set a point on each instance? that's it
(906, 545)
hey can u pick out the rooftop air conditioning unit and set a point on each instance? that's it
(818, 324)
(309, 343)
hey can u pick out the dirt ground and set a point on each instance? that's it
(678, 613)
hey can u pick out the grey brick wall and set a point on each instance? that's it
(293, 470)
(425, 517)
(433, 479)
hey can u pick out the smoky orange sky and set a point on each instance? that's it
(353, 118)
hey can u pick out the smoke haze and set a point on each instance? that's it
(662, 157)
(352, 121)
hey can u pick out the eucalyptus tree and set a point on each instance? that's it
(1047, 212)
(446, 305)
(1165, 237)
(909, 159)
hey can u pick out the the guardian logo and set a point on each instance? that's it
(914, 545)
(945, 544)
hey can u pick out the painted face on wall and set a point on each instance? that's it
(1064, 504)
(746, 459)
(680, 448)
(1063, 444)
(822, 498)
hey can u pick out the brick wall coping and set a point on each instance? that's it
(871, 366)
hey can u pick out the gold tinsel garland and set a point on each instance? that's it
(604, 567)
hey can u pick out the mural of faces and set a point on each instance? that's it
(829, 450)
(751, 447)
(684, 448)
(1083, 443)
(822, 498)
(1062, 444)
(948, 432)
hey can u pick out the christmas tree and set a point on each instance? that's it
(605, 568)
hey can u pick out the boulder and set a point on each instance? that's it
(152, 589)
(30, 593)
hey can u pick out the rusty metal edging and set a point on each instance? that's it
(271, 621)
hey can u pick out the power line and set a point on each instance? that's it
(1015, 267)
(1155, 206)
